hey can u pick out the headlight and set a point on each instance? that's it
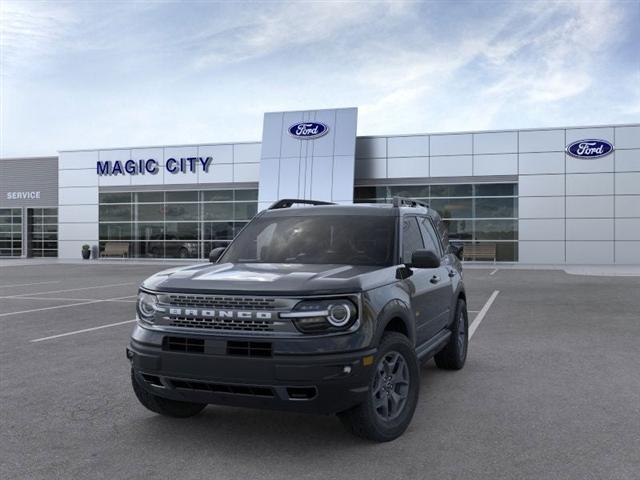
(319, 316)
(147, 304)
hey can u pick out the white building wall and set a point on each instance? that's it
(79, 183)
(570, 210)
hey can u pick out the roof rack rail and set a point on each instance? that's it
(289, 202)
(407, 202)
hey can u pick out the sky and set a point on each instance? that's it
(97, 74)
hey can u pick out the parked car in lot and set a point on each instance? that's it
(321, 308)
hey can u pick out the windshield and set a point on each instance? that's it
(331, 239)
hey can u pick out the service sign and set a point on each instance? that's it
(308, 130)
(589, 149)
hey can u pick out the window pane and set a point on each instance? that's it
(115, 197)
(150, 231)
(245, 211)
(453, 208)
(150, 197)
(217, 195)
(115, 213)
(218, 211)
(411, 191)
(181, 231)
(115, 231)
(431, 241)
(496, 229)
(460, 229)
(150, 213)
(218, 231)
(464, 190)
(181, 211)
(411, 238)
(370, 192)
(496, 189)
(496, 207)
(246, 195)
(181, 249)
(182, 196)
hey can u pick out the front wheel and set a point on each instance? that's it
(164, 406)
(454, 355)
(392, 395)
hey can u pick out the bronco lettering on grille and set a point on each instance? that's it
(244, 315)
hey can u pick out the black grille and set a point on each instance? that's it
(223, 388)
(181, 344)
(235, 324)
(249, 349)
(222, 302)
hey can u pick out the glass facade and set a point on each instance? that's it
(42, 230)
(10, 232)
(174, 224)
(476, 214)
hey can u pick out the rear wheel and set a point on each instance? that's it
(393, 392)
(164, 406)
(454, 354)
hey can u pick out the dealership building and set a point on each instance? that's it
(567, 195)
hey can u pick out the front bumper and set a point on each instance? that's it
(315, 383)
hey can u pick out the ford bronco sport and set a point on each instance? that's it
(313, 307)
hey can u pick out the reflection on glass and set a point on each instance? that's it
(453, 207)
(496, 208)
(150, 197)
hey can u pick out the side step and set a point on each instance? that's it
(430, 348)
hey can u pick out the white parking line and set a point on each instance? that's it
(476, 321)
(71, 289)
(28, 284)
(494, 271)
(82, 331)
(59, 306)
(67, 299)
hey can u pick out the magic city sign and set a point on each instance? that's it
(589, 148)
(151, 166)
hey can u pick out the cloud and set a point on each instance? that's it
(79, 74)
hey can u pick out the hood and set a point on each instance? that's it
(270, 279)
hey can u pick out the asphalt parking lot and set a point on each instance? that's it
(551, 389)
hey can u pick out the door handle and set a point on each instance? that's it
(452, 273)
(435, 279)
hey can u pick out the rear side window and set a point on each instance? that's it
(411, 238)
(431, 240)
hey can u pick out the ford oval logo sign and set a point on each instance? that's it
(308, 130)
(589, 148)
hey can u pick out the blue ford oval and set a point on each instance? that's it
(308, 130)
(590, 148)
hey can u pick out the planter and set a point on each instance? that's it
(86, 254)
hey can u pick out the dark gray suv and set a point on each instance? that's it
(314, 307)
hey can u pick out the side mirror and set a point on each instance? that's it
(457, 249)
(425, 259)
(215, 254)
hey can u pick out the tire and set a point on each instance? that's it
(164, 406)
(368, 420)
(454, 354)
(183, 253)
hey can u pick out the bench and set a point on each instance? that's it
(115, 249)
(483, 251)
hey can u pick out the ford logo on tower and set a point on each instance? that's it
(308, 130)
(589, 148)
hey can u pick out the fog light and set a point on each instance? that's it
(368, 360)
